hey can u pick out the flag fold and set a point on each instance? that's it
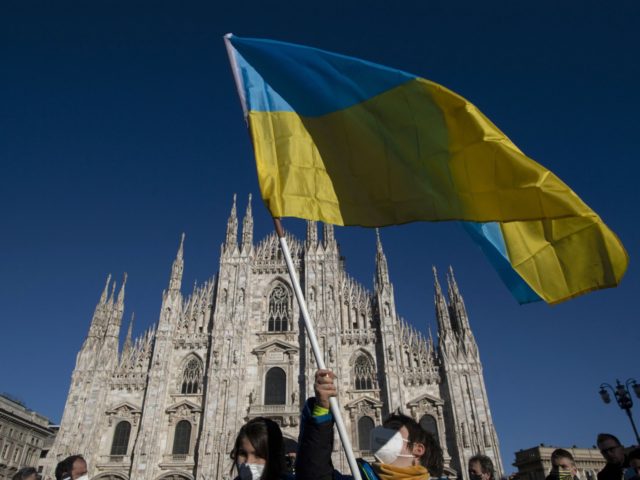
(349, 142)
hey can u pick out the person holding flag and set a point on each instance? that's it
(402, 448)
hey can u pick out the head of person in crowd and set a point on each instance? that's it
(72, 468)
(563, 465)
(402, 442)
(633, 472)
(611, 448)
(258, 452)
(26, 473)
(481, 468)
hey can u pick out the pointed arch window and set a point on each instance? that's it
(365, 425)
(182, 438)
(364, 373)
(121, 435)
(279, 309)
(429, 424)
(192, 377)
(275, 387)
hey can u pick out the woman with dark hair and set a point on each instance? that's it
(26, 473)
(258, 452)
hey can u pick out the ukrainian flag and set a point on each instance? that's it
(350, 142)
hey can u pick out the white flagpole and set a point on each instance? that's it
(335, 408)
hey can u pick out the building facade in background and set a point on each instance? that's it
(24, 436)
(535, 463)
(168, 405)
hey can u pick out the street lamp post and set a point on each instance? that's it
(623, 397)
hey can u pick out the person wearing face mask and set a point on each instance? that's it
(258, 452)
(563, 466)
(481, 468)
(402, 448)
(72, 468)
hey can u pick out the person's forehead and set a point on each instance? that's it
(607, 443)
(561, 461)
(247, 446)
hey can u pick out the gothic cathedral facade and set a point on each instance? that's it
(167, 406)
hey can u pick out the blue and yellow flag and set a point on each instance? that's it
(350, 142)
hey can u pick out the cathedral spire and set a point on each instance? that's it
(120, 301)
(312, 234)
(112, 296)
(177, 268)
(328, 236)
(231, 240)
(128, 343)
(382, 269)
(442, 312)
(456, 304)
(247, 228)
(98, 319)
(103, 297)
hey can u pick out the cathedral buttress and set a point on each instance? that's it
(467, 413)
(150, 444)
(389, 375)
(231, 238)
(226, 389)
(247, 230)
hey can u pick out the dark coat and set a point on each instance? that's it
(613, 472)
(315, 445)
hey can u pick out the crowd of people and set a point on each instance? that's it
(402, 448)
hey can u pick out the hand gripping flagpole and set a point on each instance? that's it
(335, 408)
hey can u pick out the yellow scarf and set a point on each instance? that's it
(389, 472)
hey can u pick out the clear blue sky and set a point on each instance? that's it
(120, 128)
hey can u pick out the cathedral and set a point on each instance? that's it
(168, 404)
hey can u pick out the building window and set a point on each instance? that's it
(365, 425)
(5, 450)
(364, 373)
(275, 387)
(182, 438)
(279, 309)
(120, 442)
(429, 424)
(192, 377)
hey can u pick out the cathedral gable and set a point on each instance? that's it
(124, 411)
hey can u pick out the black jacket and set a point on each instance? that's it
(613, 472)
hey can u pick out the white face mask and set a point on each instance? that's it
(250, 471)
(83, 477)
(386, 444)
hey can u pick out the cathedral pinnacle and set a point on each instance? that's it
(328, 236)
(247, 228)
(312, 235)
(103, 297)
(178, 267)
(382, 270)
(120, 302)
(111, 299)
(128, 339)
(231, 240)
(442, 311)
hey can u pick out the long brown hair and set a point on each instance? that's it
(266, 437)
